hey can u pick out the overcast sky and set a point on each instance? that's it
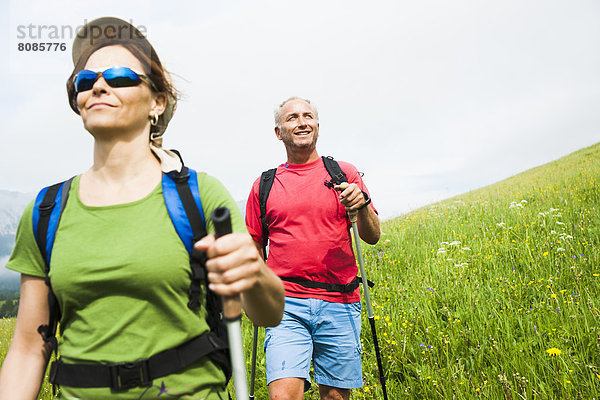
(428, 98)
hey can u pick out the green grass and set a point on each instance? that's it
(472, 292)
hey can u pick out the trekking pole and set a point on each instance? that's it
(232, 311)
(253, 369)
(255, 343)
(353, 216)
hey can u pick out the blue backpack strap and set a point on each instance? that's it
(179, 190)
(46, 217)
(182, 198)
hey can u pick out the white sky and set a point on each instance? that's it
(429, 99)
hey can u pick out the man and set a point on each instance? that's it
(310, 248)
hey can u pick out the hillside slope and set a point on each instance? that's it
(495, 292)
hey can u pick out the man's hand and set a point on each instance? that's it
(351, 196)
(355, 202)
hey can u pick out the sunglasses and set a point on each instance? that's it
(115, 77)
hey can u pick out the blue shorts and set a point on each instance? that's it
(328, 333)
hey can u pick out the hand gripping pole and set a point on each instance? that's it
(232, 310)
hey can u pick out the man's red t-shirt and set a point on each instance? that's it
(309, 232)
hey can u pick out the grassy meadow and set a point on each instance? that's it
(494, 294)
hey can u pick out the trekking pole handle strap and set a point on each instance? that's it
(221, 218)
(352, 214)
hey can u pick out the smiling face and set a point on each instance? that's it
(298, 127)
(113, 110)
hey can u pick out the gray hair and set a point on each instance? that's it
(277, 112)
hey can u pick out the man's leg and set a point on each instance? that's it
(337, 351)
(287, 389)
(331, 393)
(288, 352)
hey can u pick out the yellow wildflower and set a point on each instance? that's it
(554, 351)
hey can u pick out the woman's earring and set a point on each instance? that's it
(154, 119)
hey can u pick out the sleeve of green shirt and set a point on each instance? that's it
(26, 257)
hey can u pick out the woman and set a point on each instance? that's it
(119, 270)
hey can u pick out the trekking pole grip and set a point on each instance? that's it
(352, 214)
(221, 218)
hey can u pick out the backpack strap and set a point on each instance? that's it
(335, 172)
(46, 217)
(183, 202)
(182, 198)
(126, 375)
(264, 188)
(330, 287)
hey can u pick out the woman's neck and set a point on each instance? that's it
(124, 170)
(122, 157)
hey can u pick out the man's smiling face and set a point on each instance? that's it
(298, 125)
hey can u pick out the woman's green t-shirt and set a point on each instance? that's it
(121, 275)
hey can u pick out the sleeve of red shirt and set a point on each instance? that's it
(353, 176)
(253, 214)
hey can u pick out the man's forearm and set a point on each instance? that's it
(368, 225)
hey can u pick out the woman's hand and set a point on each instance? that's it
(236, 267)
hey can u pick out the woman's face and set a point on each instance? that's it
(113, 110)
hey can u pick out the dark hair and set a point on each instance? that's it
(146, 55)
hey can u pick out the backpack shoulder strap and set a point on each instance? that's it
(182, 199)
(183, 202)
(264, 188)
(335, 172)
(46, 216)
